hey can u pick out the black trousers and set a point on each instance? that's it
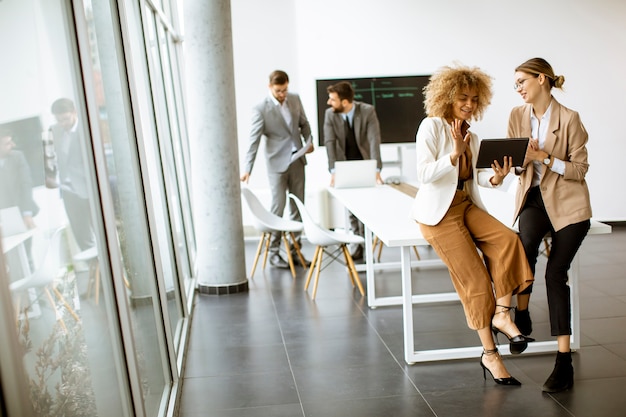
(534, 224)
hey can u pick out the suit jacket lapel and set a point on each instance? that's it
(526, 131)
(553, 126)
(356, 122)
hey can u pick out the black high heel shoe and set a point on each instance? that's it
(517, 344)
(500, 381)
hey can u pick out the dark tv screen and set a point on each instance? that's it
(399, 104)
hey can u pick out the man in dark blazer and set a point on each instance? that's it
(281, 119)
(16, 185)
(351, 132)
(68, 146)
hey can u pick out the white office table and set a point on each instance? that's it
(384, 211)
(17, 242)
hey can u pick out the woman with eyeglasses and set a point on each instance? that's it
(485, 259)
(552, 198)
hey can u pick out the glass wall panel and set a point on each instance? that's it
(53, 241)
(144, 258)
(167, 130)
(173, 88)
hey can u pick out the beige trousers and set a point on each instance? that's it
(503, 267)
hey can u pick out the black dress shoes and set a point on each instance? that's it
(278, 262)
(357, 255)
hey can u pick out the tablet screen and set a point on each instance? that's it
(497, 149)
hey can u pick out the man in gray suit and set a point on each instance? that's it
(280, 118)
(16, 185)
(68, 145)
(351, 132)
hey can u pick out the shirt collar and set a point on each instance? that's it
(350, 114)
(276, 102)
(546, 115)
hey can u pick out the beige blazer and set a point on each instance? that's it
(437, 176)
(566, 197)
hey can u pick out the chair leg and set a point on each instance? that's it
(267, 237)
(354, 273)
(317, 273)
(289, 257)
(65, 304)
(256, 256)
(380, 250)
(54, 307)
(312, 267)
(377, 243)
(297, 248)
(417, 254)
(346, 253)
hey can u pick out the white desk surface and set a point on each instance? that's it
(384, 211)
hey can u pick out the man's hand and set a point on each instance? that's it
(245, 177)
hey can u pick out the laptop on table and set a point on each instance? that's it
(355, 174)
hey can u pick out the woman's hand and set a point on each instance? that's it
(460, 143)
(532, 152)
(500, 172)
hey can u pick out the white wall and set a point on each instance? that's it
(313, 39)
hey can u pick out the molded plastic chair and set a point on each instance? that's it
(45, 275)
(267, 223)
(323, 238)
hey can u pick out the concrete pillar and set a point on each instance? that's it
(210, 104)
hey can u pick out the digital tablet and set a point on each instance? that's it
(497, 149)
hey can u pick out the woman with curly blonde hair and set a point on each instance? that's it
(453, 219)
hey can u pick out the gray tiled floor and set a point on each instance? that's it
(274, 352)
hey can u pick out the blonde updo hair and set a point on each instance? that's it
(444, 86)
(536, 66)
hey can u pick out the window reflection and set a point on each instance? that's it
(72, 167)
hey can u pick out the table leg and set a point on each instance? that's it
(369, 269)
(407, 304)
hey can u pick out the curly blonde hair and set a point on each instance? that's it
(444, 86)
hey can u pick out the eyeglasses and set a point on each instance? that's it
(520, 83)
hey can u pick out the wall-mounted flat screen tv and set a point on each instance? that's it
(399, 103)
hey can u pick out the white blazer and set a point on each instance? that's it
(437, 176)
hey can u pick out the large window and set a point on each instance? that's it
(96, 223)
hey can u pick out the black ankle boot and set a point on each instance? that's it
(523, 321)
(562, 377)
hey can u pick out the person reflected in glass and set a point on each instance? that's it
(552, 199)
(68, 146)
(485, 259)
(16, 185)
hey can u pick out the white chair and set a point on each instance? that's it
(45, 275)
(267, 223)
(323, 238)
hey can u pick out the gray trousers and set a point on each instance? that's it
(281, 183)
